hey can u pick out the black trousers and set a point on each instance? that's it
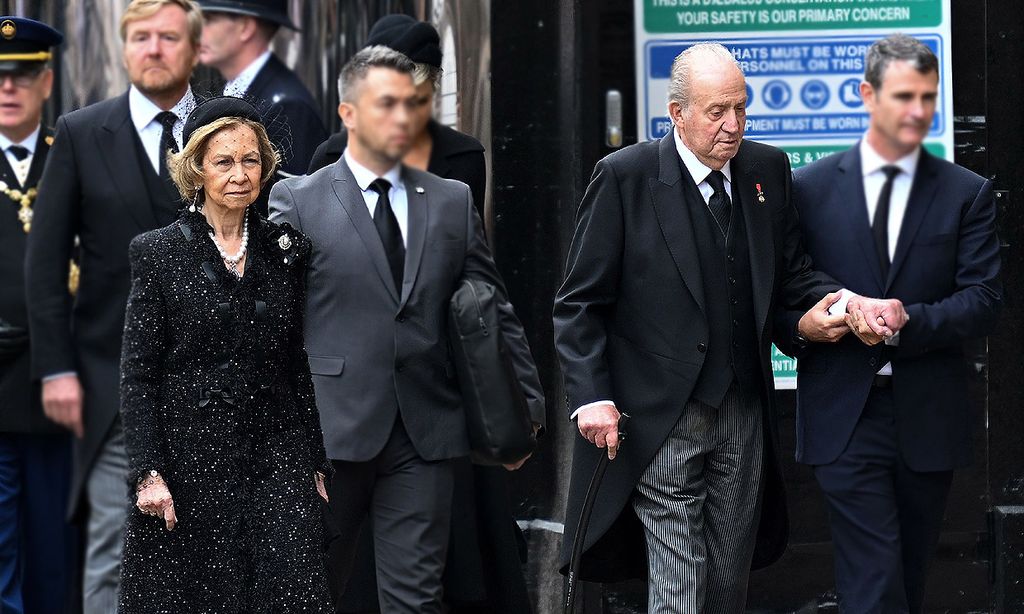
(885, 517)
(407, 503)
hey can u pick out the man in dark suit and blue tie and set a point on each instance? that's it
(885, 424)
(105, 181)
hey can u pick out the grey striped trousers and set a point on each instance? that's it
(699, 501)
(108, 509)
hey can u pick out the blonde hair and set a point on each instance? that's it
(141, 9)
(426, 72)
(186, 168)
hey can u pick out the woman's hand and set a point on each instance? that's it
(154, 499)
(320, 488)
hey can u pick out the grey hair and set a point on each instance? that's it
(377, 56)
(897, 47)
(679, 81)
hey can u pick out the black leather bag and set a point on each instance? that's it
(497, 414)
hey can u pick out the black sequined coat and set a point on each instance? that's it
(216, 396)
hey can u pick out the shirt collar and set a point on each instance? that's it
(364, 176)
(29, 143)
(144, 111)
(872, 162)
(698, 170)
(240, 84)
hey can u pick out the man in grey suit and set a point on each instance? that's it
(391, 245)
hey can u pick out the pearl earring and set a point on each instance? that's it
(195, 199)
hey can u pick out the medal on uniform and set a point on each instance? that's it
(24, 199)
(760, 194)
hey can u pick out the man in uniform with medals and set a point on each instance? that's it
(36, 543)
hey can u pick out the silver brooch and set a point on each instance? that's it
(284, 242)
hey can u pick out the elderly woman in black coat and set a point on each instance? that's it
(222, 433)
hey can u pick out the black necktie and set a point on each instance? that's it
(167, 142)
(880, 224)
(390, 233)
(719, 204)
(19, 152)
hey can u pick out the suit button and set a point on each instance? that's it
(701, 347)
(734, 301)
(731, 258)
(399, 367)
(872, 362)
(732, 280)
(400, 318)
(735, 322)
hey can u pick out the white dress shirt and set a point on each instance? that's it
(238, 86)
(699, 171)
(396, 195)
(144, 112)
(20, 167)
(871, 165)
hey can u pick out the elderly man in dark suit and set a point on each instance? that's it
(236, 42)
(391, 243)
(884, 425)
(37, 545)
(105, 181)
(684, 248)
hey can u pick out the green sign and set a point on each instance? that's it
(770, 15)
(784, 368)
(800, 155)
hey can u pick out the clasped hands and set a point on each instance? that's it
(154, 498)
(872, 320)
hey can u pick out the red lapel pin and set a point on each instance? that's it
(760, 194)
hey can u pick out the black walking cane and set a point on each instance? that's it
(584, 523)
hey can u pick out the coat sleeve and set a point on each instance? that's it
(282, 206)
(143, 349)
(302, 381)
(477, 175)
(971, 310)
(589, 291)
(49, 251)
(480, 265)
(801, 286)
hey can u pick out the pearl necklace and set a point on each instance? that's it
(232, 261)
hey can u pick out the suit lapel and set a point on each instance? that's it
(756, 216)
(849, 195)
(7, 173)
(35, 171)
(416, 232)
(351, 197)
(922, 193)
(669, 199)
(117, 134)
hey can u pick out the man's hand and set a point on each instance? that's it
(818, 326)
(600, 426)
(882, 317)
(62, 402)
(155, 499)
